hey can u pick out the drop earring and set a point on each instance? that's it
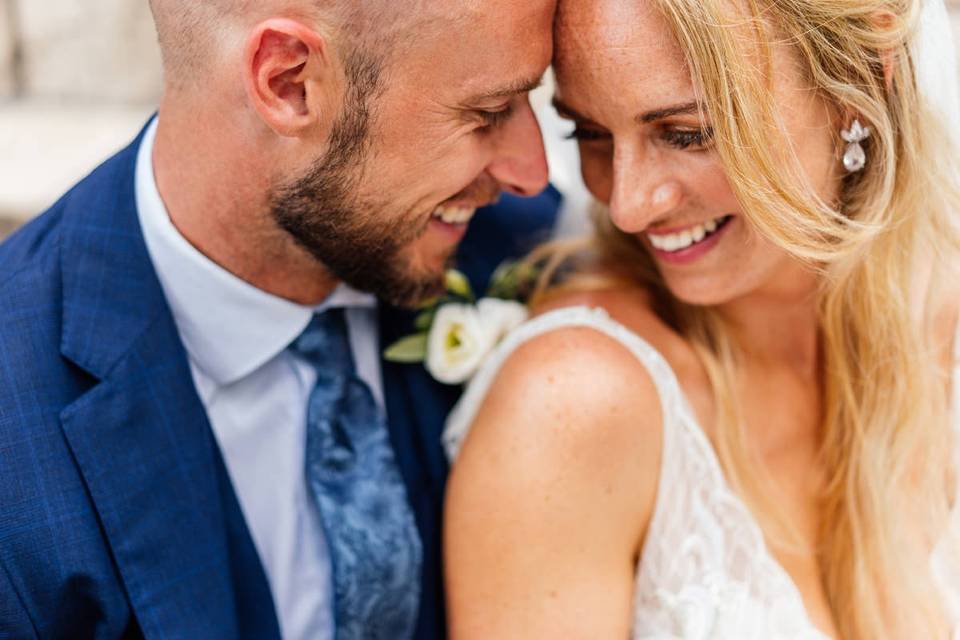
(855, 158)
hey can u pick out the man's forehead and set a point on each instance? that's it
(496, 49)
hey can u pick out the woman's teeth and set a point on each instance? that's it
(454, 215)
(688, 237)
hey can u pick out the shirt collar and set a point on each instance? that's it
(229, 327)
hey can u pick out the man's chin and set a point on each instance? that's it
(422, 284)
(406, 281)
(414, 294)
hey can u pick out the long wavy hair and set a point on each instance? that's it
(884, 254)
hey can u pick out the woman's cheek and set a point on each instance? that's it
(597, 172)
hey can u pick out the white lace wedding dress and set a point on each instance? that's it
(705, 571)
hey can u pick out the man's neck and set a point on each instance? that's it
(217, 199)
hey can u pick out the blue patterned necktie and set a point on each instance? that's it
(351, 470)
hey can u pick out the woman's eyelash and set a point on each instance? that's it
(584, 135)
(692, 138)
(680, 139)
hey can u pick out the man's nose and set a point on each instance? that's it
(643, 193)
(520, 162)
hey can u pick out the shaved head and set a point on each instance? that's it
(192, 33)
(304, 143)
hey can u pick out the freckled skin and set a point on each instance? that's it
(617, 59)
(550, 501)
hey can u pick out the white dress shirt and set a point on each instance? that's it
(255, 393)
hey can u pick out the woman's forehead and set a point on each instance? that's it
(624, 29)
(617, 42)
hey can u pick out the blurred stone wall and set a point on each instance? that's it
(78, 78)
(93, 51)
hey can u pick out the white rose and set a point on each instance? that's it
(502, 316)
(463, 335)
(458, 343)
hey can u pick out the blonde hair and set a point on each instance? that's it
(886, 432)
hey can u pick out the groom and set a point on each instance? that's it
(197, 436)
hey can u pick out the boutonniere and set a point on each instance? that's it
(456, 332)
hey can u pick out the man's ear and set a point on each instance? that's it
(285, 63)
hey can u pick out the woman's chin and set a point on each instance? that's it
(702, 292)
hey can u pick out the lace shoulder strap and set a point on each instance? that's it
(464, 413)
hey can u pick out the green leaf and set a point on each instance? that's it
(458, 284)
(424, 321)
(428, 304)
(503, 282)
(502, 272)
(409, 350)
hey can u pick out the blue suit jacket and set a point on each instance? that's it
(117, 517)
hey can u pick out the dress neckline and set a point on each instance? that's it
(681, 429)
(688, 420)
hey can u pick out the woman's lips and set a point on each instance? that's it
(689, 244)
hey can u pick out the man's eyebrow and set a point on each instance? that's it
(515, 88)
(666, 112)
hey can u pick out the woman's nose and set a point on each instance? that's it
(643, 195)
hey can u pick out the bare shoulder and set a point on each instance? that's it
(550, 499)
(573, 412)
(578, 384)
(575, 386)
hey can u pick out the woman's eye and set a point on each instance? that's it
(687, 138)
(585, 135)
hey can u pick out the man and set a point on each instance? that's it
(197, 437)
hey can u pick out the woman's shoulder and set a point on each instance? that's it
(578, 356)
(577, 397)
(560, 471)
(632, 309)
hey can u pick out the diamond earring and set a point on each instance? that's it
(855, 158)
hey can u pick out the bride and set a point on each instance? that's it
(732, 417)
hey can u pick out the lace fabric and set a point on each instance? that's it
(705, 570)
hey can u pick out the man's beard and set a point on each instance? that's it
(359, 241)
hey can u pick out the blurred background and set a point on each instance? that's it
(78, 78)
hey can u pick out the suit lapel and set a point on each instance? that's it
(140, 437)
(141, 441)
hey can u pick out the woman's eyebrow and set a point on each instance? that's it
(644, 118)
(676, 110)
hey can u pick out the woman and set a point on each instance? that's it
(746, 432)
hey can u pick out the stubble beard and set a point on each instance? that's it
(361, 242)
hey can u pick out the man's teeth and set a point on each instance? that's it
(685, 239)
(454, 215)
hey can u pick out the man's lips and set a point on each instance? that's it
(460, 213)
(454, 214)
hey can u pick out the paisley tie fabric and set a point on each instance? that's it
(353, 475)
